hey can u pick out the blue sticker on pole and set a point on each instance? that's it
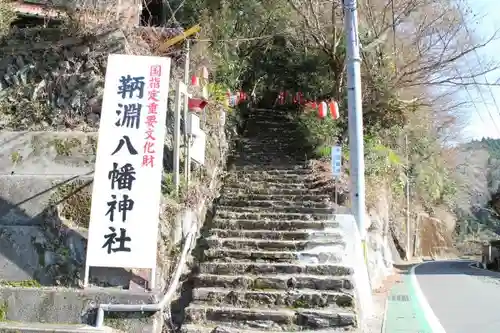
(336, 161)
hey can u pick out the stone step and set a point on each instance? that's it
(271, 141)
(266, 150)
(212, 327)
(273, 178)
(273, 268)
(264, 112)
(272, 245)
(295, 298)
(226, 255)
(279, 204)
(274, 174)
(299, 319)
(267, 129)
(276, 234)
(14, 327)
(283, 168)
(277, 216)
(274, 281)
(273, 121)
(235, 190)
(260, 151)
(266, 126)
(270, 124)
(268, 163)
(257, 151)
(257, 184)
(298, 171)
(290, 225)
(276, 210)
(320, 198)
(271, 144)
(271, 161)
(288, 139)
(277, 118)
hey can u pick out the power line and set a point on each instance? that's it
(482, 98)
(472, 100)
(478, 59)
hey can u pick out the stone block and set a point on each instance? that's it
(66, 306)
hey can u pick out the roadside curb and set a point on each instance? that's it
(384, 320)
(429, 315)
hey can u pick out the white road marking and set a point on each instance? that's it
(431, 318)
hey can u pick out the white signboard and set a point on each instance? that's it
(127, 180)
(336, 161)
(197, 149)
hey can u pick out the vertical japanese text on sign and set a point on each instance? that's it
(124, 222)
(148, 158)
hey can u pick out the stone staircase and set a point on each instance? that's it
(272, 254)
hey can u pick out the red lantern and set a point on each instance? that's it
(194, 81)
(334, 110)
(281, 98)
(322, 110)
(204, 73)
(196, 104)
(300, 98)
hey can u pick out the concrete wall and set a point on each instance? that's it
(40, 171)
(354, 257)
(45, 193)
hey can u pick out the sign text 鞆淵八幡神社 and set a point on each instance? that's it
(127, 179)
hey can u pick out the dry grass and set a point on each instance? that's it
(322, 179)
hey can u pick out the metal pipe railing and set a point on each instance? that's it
(166, 298)
(188, 243)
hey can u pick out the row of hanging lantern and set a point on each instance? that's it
(197, 104)
(326, 109)
(297, 98)
(237, 98)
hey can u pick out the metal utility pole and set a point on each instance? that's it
(355, 117)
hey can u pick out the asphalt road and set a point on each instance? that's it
(464, 299)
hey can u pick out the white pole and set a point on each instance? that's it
(86, 277)
(408, 226)
(355, 117)
(177, 134)
(187, 155)
(152, 281)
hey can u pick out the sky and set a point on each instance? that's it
(485, 122)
